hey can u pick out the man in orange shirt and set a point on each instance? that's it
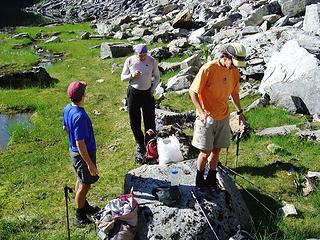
(210, 92)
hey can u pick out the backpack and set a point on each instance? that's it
(119, 219)
(151, 154)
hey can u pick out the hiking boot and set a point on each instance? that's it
(200, 182)
(81, 219)
(139, 158)
(211, 180)
(90, 210)
(141, 149)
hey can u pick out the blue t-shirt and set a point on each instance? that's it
(79, 126)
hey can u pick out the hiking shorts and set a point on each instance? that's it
(217, 135)
(81, 168)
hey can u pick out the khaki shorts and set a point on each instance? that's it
(217, 135)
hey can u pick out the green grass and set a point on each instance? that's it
(178, 102)
(35, 165)
(15, 59)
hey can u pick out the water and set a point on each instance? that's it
(6, 121)
(11, 14)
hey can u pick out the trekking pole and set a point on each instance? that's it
(258, 201)
(227, 152)
(205, 216)
(66, 191)
(237, 149)
(247, 180)
(250, 192)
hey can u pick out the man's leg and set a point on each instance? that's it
(148, 111)
(80, 199)
(135, 116)
(81, 193)
(213, 159)
(201, 164)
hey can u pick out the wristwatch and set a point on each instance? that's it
(240, 112)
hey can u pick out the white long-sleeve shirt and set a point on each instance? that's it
(150, 75)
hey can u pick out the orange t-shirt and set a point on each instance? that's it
(214, 84)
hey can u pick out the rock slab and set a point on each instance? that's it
(225, 209)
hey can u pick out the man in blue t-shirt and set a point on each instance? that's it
(82, 148)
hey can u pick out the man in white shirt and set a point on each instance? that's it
(142, 72)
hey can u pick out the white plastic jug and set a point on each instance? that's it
(169, 150)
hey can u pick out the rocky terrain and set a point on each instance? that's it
(281, 37)
(283, 55)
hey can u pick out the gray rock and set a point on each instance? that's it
(312, 182)
(180, 43)
(85, 36)
(53, 39)
(196, 36)
(114, 50)
(281, 22)
(292, 7)
(121, 35)
(272, 18)
(181, 32)
(256, 17)
(194, 60)
(179, 82)
(278, 131)
(164, 35)
(311, 21)
(289, 210)
(309, 135)
(122, 20)
(160, 53)
(245, 9)
(185, 220)
(149, 39)
(107, 28)
(35, 77)
(193, 70)
(306, 40)
(140, 32)
(251, 30)
(183, 20)
(168, 66)
(21, 35)
(294, 72)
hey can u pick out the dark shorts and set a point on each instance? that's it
(81, 168)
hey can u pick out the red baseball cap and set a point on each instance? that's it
(76, 89)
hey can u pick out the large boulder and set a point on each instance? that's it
(35, 77)
(179, 82)
(114, 50)
(292, 7)
(293, 72)
(183, 20)
(256, 17)
(184, 220)
(312, 19)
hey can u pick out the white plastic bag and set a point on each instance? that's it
(169, 150)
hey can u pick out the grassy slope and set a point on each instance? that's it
(35, 166)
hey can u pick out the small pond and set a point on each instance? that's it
(8, 120)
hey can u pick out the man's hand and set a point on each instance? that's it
(203, 116)
(86, 157)
(136, 74)
(93, 169)
(242, 120)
